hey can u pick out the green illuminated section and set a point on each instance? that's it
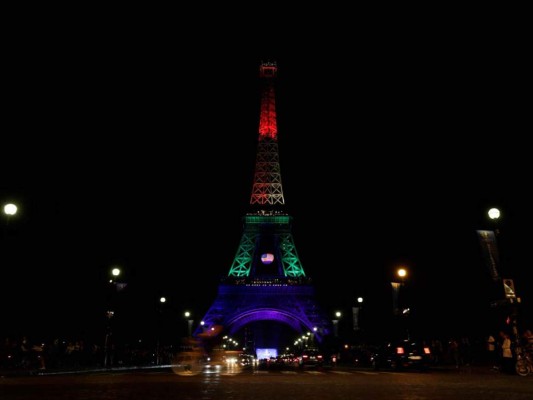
(291, 263)
(243, 259)
(267, 219)
(261, 229)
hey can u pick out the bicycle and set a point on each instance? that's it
(524, 362)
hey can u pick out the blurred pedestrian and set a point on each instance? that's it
(506, 353)
(453, 349)
(492, 356)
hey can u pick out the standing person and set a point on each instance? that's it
(465, 351)
(453, 348)
(491, 352)
(507, 354)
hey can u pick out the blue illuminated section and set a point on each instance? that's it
(288, 301)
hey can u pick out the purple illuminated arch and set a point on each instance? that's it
(298, 323)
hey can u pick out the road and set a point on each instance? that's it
(323, 384)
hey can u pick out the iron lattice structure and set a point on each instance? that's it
(266, 281)
(272, 234)
(267, 187)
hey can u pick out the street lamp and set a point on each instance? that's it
(110, 313)
(162, 300)
(402, 273)
(115, 272)
(10, 209)
(315, 330)
(189, 323)
(356, 313)
(338, 315)
(511, 300)
(494, 215)
(404, 313)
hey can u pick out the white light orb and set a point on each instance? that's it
(10, 209)
(494, 213)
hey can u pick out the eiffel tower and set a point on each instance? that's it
(266, 283)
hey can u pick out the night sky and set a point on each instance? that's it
(135, 152)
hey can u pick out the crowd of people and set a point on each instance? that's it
(499, 353)
(22, 353)
(502, 349)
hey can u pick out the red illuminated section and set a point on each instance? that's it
(268, 127)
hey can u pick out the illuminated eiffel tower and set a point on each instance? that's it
(266, 281)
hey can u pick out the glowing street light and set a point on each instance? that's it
(189, 323)
(403, 322)
(115, 272)
(494, 213)
(402, 273)
(508, 284)
(356, 311)
(110, 313)
(338, 314)
(162, 301)
(10, 209)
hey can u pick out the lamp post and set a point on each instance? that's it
(110, 313)
(189, 323)
(338, 315)
(402, 273)
(402, 315)
(357, 313)
(10, 209)
(315, 330)
(162, 301)
(510, 299)
(494, 215)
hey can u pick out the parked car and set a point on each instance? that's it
(404, 354)
(363, 356)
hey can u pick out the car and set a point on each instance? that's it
(362, 356)
(310, 357)
(403, 354)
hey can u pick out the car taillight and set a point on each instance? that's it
(427, 350)
(399, 350)
(305, 356)
(319, 356)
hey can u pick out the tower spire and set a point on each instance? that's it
(267, 189)
(268, 127)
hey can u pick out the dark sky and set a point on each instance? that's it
(133, 150)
